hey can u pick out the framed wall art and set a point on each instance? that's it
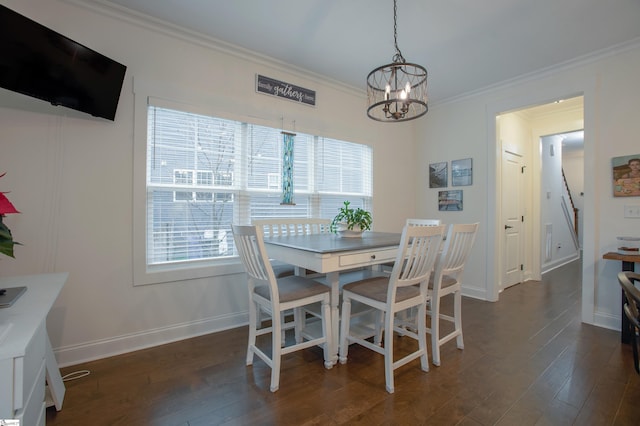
(438, 175)
(450, 200)
(626, 176)
(462, 172)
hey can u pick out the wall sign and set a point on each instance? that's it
(284, 90)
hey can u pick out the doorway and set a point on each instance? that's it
(524, 234)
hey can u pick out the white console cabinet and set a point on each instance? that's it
(26, 358)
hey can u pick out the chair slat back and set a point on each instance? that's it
(253, 254)
(456, 249)
(423, 222)
(417, 253)
(274, 227)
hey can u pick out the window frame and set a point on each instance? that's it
(143, 273)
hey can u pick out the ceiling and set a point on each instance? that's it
(464, 44)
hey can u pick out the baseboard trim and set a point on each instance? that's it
(91, 351)
(559, 262)
(606, 320)
(474, 292)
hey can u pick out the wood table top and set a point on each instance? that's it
(612, 255)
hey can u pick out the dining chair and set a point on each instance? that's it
(413, 222)
(405, 318)
(405, 288)
(446, 279)
(631, 308)
(282, 226)
(274, 296)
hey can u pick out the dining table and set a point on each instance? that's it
(332, 255)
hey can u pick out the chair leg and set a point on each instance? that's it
(276, 356)
(422, 337)
(379, 329)
(282, 333)
(298, 324)
(457, 315)
(388, 350)
(326, 331)
(435, 330)
(254, 311)
(634, 343)
(344, 330)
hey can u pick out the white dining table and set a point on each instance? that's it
(329, 254)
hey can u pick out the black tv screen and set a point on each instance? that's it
(39, 62)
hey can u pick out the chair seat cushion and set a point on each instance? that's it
(376, 288)
(281, 270)
(447, 281)
(293, 288)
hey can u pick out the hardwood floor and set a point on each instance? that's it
(528, 360)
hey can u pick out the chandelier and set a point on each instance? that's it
(397, 91)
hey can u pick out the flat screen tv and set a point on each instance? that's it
(39, 62)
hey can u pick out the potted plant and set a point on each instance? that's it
(351, 222)
(6, 239)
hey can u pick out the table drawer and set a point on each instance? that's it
(368, 258)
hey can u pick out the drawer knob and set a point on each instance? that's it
(373, 256)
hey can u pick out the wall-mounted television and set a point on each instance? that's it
(39, 62)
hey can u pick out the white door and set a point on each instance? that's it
(512, 218)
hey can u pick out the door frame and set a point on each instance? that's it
(553, 91)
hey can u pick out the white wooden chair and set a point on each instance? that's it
(413, 222)
(282, 226)
(274, 296)
(446, 279)
(273, 227)
(404, 319)
(405, 288)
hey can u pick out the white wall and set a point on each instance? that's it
(71, 176)
(466, 127)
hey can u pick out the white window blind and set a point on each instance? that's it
(205, 173)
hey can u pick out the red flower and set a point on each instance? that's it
(5, 205)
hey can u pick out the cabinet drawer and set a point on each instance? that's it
(34, 403)
(27, 368)
(368, 258)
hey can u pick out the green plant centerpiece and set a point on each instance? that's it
(351, 222)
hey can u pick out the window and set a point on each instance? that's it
(204, 173)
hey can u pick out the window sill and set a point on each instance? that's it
(188, 271)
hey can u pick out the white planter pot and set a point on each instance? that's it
(344, 232)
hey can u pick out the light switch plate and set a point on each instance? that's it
(632, 211)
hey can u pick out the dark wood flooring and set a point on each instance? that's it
(528, 360)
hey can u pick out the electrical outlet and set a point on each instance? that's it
(632, 211)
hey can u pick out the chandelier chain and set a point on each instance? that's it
(398, 56)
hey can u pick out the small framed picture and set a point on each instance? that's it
(462, 172)
(450, 200)
(438, 175)
(626, 176)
